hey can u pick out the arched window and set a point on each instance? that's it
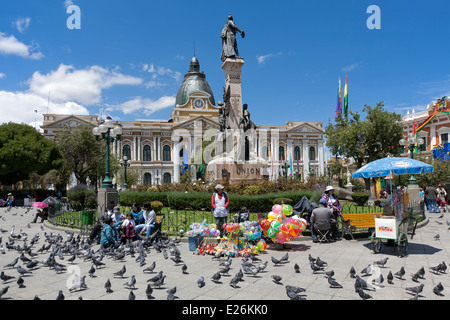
(296, 154)
(281, 153)
(147, 153)
(265, 152)
(126, 151)
(167, 178)
(166, 153)
(147, 179)
(312, 153)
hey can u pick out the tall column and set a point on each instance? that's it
(134, 154)
(139, 148)
(305, 160)
(320, 156)
(176, 162)
(232, 68)
(159, 148)
(154, 155)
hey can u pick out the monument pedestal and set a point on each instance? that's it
(232, 68)
(104, 197)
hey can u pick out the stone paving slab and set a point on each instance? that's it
(423, 250)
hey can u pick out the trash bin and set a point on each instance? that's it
(194, 242)
(88, 217)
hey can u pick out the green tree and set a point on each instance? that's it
(83, 154)
(366, 140)
(23, 150)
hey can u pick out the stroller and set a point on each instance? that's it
(441, 204)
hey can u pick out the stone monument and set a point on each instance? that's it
(236, 157)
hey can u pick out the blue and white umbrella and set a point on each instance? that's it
(396, 165)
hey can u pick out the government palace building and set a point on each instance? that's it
(150, 146)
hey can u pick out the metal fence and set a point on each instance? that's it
(178, 220)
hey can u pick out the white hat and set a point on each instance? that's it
(219, 186)
(329, 188)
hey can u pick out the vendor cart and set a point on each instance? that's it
(395, 231)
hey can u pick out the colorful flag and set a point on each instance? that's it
(339, 102)
(292, 167)
(416, 150)
(345, 98)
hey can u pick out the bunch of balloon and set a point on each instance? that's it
(281, 228)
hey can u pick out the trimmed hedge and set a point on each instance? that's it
(360, 198)
(262, 202)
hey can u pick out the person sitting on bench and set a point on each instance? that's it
(321, 219)
(149, 221)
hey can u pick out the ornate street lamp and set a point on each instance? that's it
(125, 163)
(108, 132)
(410, 143)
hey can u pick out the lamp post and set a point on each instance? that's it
(125, 163)
(410, 143)
(108, 132)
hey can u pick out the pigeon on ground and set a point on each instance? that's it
(382, 263)
(436, 269)
(201, 282)
(60, 295)
(160, 282)
(22, 271)
(399, 274)
(438, 289)
(91, 271)
(275, 261)
(121, 272)
(415, 290)
(294, 296)
(285, 258)
(363, 295)
(421, 272)
(315, 268)
(184, 268)
(320, 263)
(367, 271)
(415, 277)
(296, 268)
(333, 283)
(172, 290)
(295, 289)
(149, 291)
(329, 274)
(131, 296)
(216, 276)
(437, 236)
(12, 264)
(5, 277)
(156, 278)
(362, 284)
(378, 280)
(277, 279)
(151, 267)
(234, 281)
(131, 284)
(108, 286)
(390, 277)
(20, 282)
(352, 272)
(3, 291)
(311, 259)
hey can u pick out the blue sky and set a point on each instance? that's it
(129, 57)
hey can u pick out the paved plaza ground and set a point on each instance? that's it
(423, 251)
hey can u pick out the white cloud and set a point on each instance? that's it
(161, 71)
(350, 67)
(84, 86)
(71, 90)
(21, 106)
(9, 45)
(2, 75)
(22, 24)
(264, 58)
(145, 105)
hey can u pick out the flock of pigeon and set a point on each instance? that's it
(61, 251)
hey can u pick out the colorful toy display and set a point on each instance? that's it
(281, 229)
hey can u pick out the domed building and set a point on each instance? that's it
(158, 149)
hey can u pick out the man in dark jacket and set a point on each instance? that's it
(431, 196)
(321, 219)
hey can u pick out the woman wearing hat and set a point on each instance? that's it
(220, 202)
(333, 203)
